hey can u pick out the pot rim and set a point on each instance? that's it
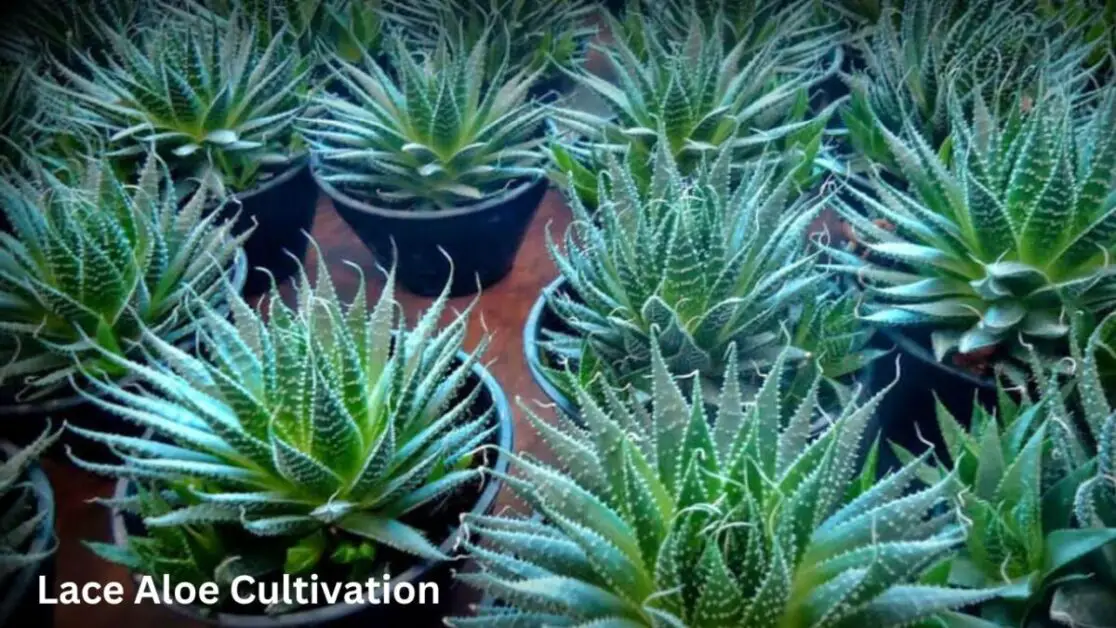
(916, 350)
(44, 537)
(293, 170)
(532, 329)
(53, 404)
(488, 203)
(312, 617)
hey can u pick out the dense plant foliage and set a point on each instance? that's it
(670, 517)
(326, 417)
(932, 50)
(88, 266)
(21, 519)
(997, 244)
(699, 96)
(216, 102)
(440, 133)
(697, 265)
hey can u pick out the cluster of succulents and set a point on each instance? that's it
(770, 185)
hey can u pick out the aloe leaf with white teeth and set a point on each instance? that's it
(661, 518)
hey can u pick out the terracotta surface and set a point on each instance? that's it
(502, 309)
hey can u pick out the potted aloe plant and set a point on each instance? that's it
(1040, 498)
(437, 160)
(675, 517)
(990, 252)
(701, 95)
(696, 265)
(546, 35)
(27, 540)
(87, 267)
(927, 51)
(328, 443)
(218, 103)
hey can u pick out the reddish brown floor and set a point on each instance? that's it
(502, 307)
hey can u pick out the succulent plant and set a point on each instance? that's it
(1093, 20)
(349, 28)
(701, 96)
(997, 246)
(670, 517)
(694, 265)
(525, 35)
(195, 553)
(20, 518)
(1024, 465)
(442, 134)
(61, 29)
(933, 50)
(324, 420)
(215, 102)
(88, 266)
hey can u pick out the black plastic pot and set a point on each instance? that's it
(19, 606)
(907, 413)
(281, 209)
(362, 616)
(22, 423)
(539, 318)
(481, 239)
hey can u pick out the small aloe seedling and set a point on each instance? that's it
(670, 517)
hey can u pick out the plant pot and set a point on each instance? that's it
(19, 605)
(22, 423)
(539, 318)
(907, 413)
(356, 615)
(481, 239)
(282, 208)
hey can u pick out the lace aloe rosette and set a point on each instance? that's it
(88, 266)
(997, 246)
(213, 100)
(542, 36)
(337, 433)
(701, 96)
(695, 265)
(669, 516)
(924, 52)
(1037, 502)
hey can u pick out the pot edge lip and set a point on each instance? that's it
(45, 502)
(531, 329)
(54, 404)
(312, 617)
(297, 165)
(343, 201)
(911, 347)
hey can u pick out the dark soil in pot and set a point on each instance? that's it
(19, 605)
(907, 413)
(440, 520)
(481, 239)
(21, 423)
(281, 208)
